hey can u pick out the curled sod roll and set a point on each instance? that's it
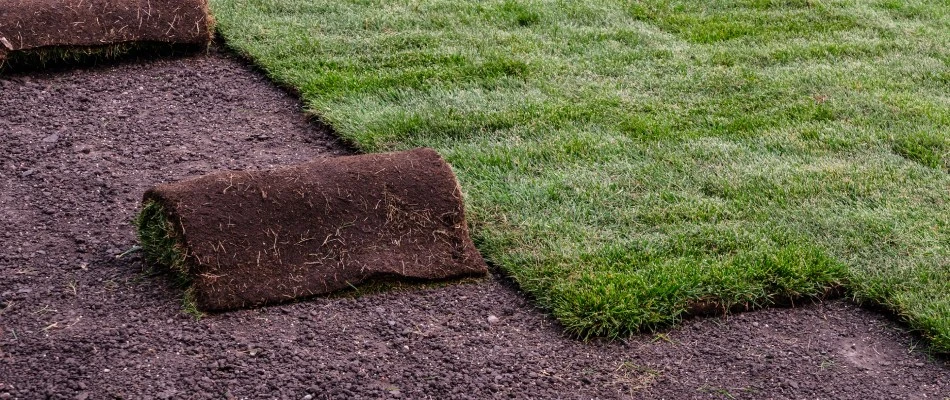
(47, 30)
(243, 239)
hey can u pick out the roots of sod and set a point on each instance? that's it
(63, 56)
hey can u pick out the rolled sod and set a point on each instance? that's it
(35, 25)
(242, 239)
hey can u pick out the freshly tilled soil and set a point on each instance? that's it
(80, 320)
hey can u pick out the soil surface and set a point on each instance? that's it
(265, 237)
(33, 24)
(79, 321)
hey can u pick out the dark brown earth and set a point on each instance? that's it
(269, 236)
(35, 24)
(77, 322)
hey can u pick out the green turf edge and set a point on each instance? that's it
(615, 305)
(886, 295)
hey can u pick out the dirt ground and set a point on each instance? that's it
(80, 146)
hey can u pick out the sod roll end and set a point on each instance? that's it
(244, 239)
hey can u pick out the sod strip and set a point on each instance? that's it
(58, 28)
(242, 239)
(623, 160)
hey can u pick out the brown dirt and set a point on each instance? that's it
(37, 24)
(77, 322)
(270, 236)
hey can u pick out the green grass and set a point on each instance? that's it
(162, 247)
(161, 244)
(625, 161)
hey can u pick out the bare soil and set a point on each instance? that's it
(79, 321)
(270, 236)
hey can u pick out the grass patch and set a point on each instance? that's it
(929, 149)
(627, 161)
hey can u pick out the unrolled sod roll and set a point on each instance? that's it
(250, 238)
(30, 25)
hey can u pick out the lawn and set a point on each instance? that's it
(631, 162)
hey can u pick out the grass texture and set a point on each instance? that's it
(162, 246)
(629, 161)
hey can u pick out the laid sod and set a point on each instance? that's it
(630, 161)
(242, 239)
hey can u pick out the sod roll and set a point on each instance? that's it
(241, 239)
(31, 25)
